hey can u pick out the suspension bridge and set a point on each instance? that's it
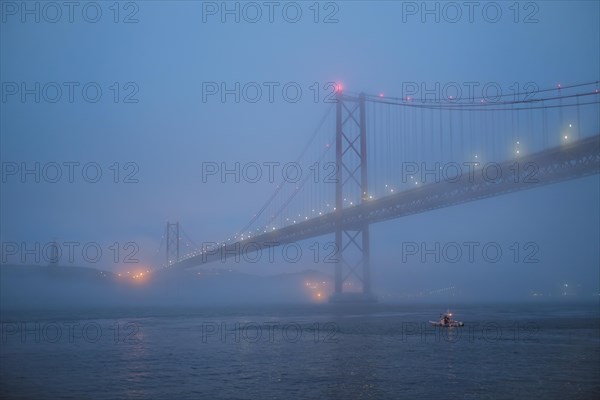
(374, 158)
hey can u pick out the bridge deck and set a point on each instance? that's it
(557, 164)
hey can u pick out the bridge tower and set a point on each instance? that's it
(352, 243)
(172, 242)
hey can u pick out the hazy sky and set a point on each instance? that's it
(162, 61)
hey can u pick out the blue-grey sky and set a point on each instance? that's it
(174, 47)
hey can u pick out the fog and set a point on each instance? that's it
(133, 160)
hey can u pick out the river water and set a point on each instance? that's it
(504, 351)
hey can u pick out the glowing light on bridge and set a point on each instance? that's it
(141, 276)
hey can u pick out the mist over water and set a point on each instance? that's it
(294, 199)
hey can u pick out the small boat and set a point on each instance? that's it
(446, 321)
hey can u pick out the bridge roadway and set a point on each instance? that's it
(553, 165)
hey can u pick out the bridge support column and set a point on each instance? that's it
(352, 270)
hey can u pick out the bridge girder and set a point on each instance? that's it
(554, 165)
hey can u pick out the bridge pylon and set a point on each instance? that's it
(352, 188)
(172, 236)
